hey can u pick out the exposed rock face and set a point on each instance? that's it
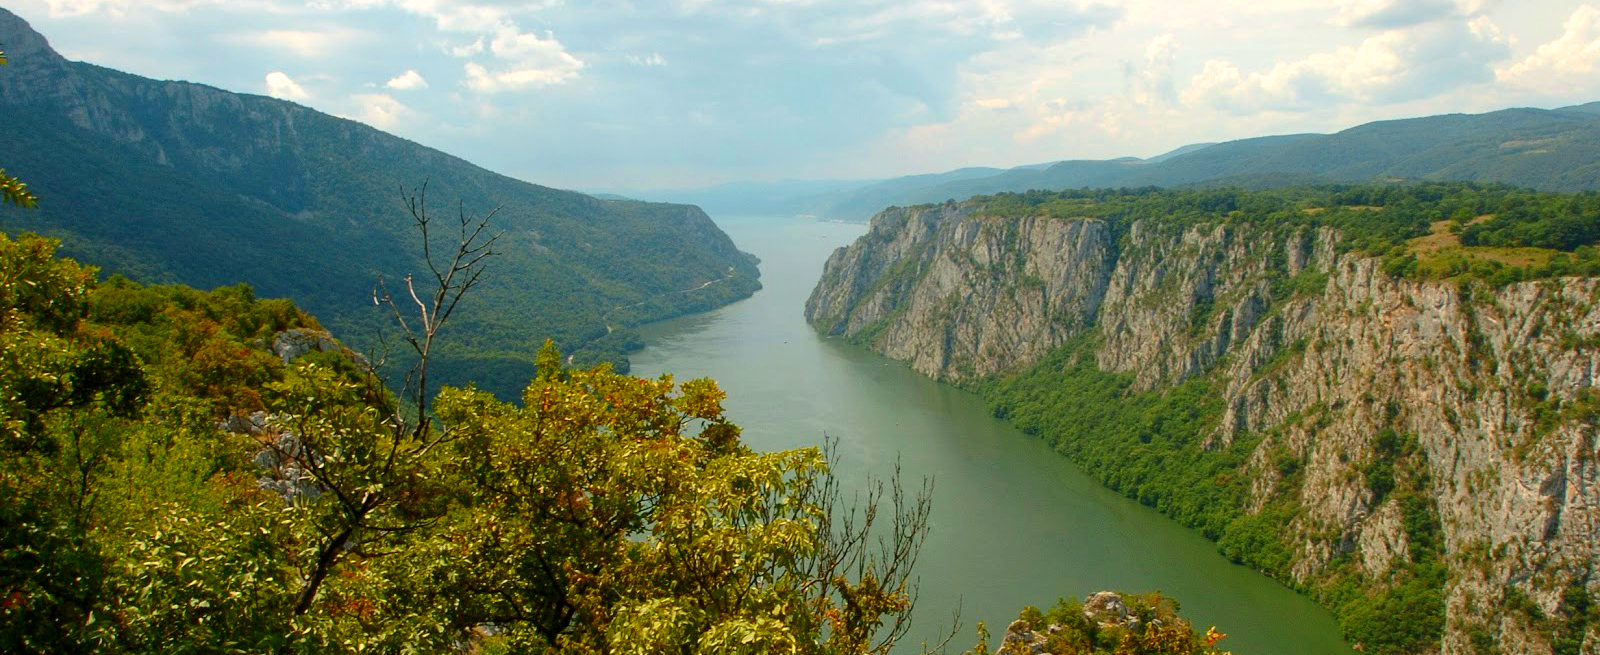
(291, 344)
(287, 467)
(950, 295)
(285, 462)
(1479, 376)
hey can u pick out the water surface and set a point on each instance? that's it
(1014, 523)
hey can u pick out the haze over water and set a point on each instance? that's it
(1014, 523)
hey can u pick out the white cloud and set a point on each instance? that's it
(282, 87)
(528, 60)
(410, 80)
(449, 15)
(469, 50)
(483, 80)
(123, 8)
(653, 59)
(1152, 83)
(311, 44)
(835, 22)
(1394, 66)
(1576, 52)
(532, 61)
(379, 110)
(1405, 13)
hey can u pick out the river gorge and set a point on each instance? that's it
(1014, 523)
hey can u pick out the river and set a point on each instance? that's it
(1014, 523)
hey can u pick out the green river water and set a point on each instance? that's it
(1014, 523)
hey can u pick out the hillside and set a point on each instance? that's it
(180, 182)
(1383, 396)
(1549, 150)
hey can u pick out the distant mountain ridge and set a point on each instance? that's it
(1544, 149)
(181, 182)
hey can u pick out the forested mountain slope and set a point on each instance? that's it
(1384, 396)
(180, 182)
(1551, 150)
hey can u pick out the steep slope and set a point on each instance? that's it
(1417, 452)
(180, 182)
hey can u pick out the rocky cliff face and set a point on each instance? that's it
(1318, 354)
(949, 292)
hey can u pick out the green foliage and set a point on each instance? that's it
(49, 361)
(1146, 445)
(1575, 616)
(1152, 627)
(1305, 284)
(1553, 234)
(1402, 617)
(604, 514)
(15, 191)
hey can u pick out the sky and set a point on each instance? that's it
(617, 94)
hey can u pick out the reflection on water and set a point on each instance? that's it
(1014, 524)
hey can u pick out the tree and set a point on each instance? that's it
(355, 445)
(615, 514)
(605, 514)
(12, 189)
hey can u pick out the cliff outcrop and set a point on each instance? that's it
(1344, 385)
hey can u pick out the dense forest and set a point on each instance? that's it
(1430, 230)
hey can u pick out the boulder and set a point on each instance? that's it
(1022, 639)
(286, 472)
(1105, 608)
(291, 344)
(254, 424)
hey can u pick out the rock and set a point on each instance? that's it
(286, 462)
(960, 295)
(293, 343)
(1020, 638)
(254, 424)
(1105, 608)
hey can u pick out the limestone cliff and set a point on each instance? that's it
(1319, 356)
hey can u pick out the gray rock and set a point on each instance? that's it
(254, 424)
(1105, 608)
(287, 473)
(959, 295)
(291, 344)
(1020, 638)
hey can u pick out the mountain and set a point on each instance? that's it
(1550, 150)
(1183, 150)
(1385, 407)
(780, 198)
(177, 182)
